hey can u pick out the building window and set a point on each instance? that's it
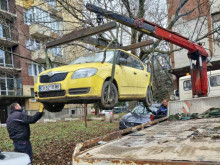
(36, 15)
(6, 58)
(33, 44)
(7, 84)
(73, 112)
(5, 31)
(52, 3)
(56, 51)
(34, 69)
(28, 16)
(4, 5)
(216, 34)
(216, 24)
(215, 81)
(187, 85)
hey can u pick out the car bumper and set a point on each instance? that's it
(72, 90)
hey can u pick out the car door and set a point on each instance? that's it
(141, 77)
(126, 76)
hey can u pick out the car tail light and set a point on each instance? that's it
(152, 117)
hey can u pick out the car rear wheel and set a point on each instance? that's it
(149, 97)
(108, 103)
(53, 107)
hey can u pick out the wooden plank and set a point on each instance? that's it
(138, 45)
(79, 34)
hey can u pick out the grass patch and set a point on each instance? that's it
(53, 143)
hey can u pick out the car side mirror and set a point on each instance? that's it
(122, 61)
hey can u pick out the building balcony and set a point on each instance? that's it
(40, 56)
(49, 6)
(8, 15)
(9, 69)
(42, 32)
(9, 41)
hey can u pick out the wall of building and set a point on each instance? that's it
(201, 19)
(215, 6)
(187, 29)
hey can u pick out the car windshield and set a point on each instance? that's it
(94, 57)
(139, 110)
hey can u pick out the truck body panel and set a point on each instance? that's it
(195, 105)
(170, 142)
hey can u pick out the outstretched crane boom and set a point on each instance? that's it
(195, 51)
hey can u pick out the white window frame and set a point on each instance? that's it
(32, 71)
(216, 34)
(2, 31)
(56, 51)
(52, 3)
(31, 44)
(5, 78)
(7, 6)
(37, 15)
(4, 61)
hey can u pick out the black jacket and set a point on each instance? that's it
(18, 124)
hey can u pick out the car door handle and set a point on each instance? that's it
(135, 73)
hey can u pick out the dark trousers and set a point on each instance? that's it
(23, 146)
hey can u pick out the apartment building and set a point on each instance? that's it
(203, 18)
(25, 27)
(10, 71)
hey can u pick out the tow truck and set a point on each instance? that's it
(169, 142)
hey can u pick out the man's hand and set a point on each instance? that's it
(41, 108)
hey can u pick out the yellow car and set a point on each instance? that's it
(86, 80)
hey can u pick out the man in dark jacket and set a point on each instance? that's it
(162, 111)
(163, 108)
(19, 129)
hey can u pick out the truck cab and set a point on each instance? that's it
(185, 87)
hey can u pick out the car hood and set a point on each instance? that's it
(72, 68)
(135, 118)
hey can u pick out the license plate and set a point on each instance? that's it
(49, 87)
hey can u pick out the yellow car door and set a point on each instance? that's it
(142, 77)
(126, 76)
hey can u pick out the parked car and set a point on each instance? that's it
(103, 112)
(14, 158)
(86, 80)
(118, 109)
(139, 115)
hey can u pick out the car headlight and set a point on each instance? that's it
(86, 72)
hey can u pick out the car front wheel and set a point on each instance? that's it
(149, 97)
(53, 107)
(108, 102)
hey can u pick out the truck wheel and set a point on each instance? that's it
(113, 98)
(53, 107)
(149, 97)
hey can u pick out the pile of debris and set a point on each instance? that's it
(210, 113)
